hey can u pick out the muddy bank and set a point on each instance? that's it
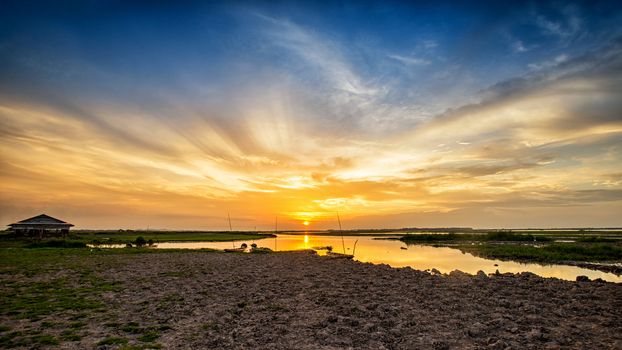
(301, 301)
(613, 268)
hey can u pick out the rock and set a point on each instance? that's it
(552, 346)
(435, 272)
(536, 334)
(459, 274)
(499, 344)
(583, 279)
(481, 275)
(476, 330)
(440, 345)
(527, 275)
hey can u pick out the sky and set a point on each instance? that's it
(174, 115)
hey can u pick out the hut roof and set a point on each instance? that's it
(42, 220)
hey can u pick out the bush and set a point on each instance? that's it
(140, 241)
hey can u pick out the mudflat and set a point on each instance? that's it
(197, 300)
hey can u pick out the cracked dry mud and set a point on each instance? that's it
(303, 301)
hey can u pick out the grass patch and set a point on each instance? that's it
(129, 236)
(70, 336)
(597, 239)
(56, 243)
(132, 327)
(36, 299)
(44, 339)
(149, 336)
(548, 253)
(11, 339)
(141, 347)
(57, 290)
(80, 239)
(112, 341)
(462, 237)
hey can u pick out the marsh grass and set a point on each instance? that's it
(490, 236)
(521, 246)
(80, 239)
(597, 239)
(56, 243)
(128, 236)
(548, 253)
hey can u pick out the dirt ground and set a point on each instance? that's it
(201, 300)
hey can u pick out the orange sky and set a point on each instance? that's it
(442, 173)
(133, 124)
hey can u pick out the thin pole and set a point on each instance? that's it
(276, 229)
(230, 229)
(343, 244)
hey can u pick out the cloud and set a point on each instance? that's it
(411, 61)
(568, 24)
(311, 131)
(430, 44)
(549, 64)
(519, 47)
(321, 55)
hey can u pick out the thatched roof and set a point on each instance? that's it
(42, 221)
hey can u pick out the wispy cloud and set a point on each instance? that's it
(568, 24)
(519, 47)
(321, 55)
(411, 61)
(548, 64)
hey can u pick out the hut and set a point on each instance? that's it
(41, 226)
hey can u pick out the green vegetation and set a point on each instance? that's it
(56, 243)
(112, 341)
(149, 336)
(525, 246)
(49, 295)
(129, 236)
(141, 346)
(597, 239)
(556, 252)
(491, 236)
(80, 238)
(70, 335)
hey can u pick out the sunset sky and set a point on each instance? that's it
(134, 115)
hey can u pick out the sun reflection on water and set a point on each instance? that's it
(391, 252)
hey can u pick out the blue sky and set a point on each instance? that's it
(304, 108)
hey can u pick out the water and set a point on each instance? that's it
(390, 252)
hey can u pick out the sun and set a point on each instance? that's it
(306, 223)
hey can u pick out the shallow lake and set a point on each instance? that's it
(422, 257)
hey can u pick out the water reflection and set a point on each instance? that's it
(419, 256)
